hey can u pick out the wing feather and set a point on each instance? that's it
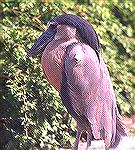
(87, 92)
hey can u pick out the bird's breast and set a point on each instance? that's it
(52, 62)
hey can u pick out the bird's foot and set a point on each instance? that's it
(75, 148)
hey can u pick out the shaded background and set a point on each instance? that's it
(32, 115)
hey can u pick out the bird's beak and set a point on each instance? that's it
(41, 43)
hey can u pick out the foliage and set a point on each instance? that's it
(32, 115)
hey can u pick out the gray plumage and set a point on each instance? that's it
(88, 95)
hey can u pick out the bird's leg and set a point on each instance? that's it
(89, 139)
(106, 147)
(78, 135)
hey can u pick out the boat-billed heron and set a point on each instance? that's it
(72, 64)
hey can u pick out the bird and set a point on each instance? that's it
(72, 64)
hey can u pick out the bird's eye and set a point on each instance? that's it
(51, 25)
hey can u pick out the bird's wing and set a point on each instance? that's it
(86, 90)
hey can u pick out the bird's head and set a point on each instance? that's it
(65, 26)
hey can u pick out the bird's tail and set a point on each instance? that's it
(120, 132)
